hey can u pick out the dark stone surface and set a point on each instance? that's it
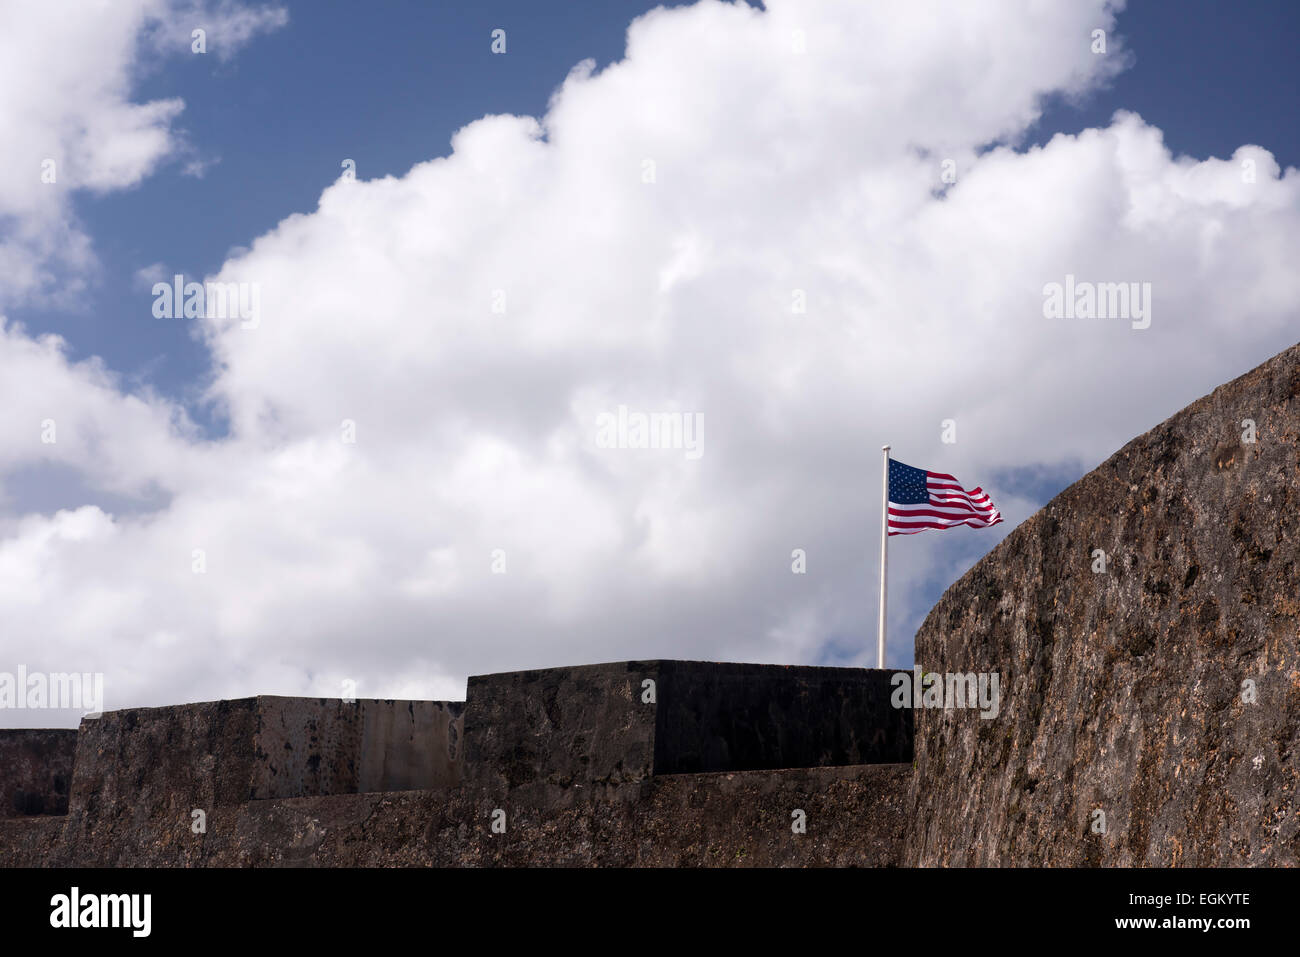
(854, 816)
(719, 716)
(591, 724)
(569, 754)
(34, 842)
(560, 726)
(317, 746)
(141, 773)
(1122, 691)
(227, 752)
(35, 771)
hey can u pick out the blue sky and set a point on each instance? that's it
(778, 170)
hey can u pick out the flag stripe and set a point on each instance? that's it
(958, 497)
(958, 493)
(937, 513)
(953, 503)
(912, 529)
(949, 502)
(919, 520)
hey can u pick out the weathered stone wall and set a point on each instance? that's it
(227, 752)
(570, 756)
(593, 723)
(140, 774)
(1122, 691)
(316, 746)
(559, 726)
(33, 841)
(721, 716)
(854, 817)
(35, 770)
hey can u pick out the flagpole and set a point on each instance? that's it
(884, 553)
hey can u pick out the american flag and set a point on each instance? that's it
(919, 500)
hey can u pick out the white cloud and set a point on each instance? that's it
(68, 124)
(227, 25)
(475, 429)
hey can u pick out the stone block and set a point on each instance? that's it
(595, 723)
(35, 770)
(227, 752)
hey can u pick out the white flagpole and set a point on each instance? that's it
(884, 553)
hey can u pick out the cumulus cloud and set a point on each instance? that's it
(745, 219)
(68, 123)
